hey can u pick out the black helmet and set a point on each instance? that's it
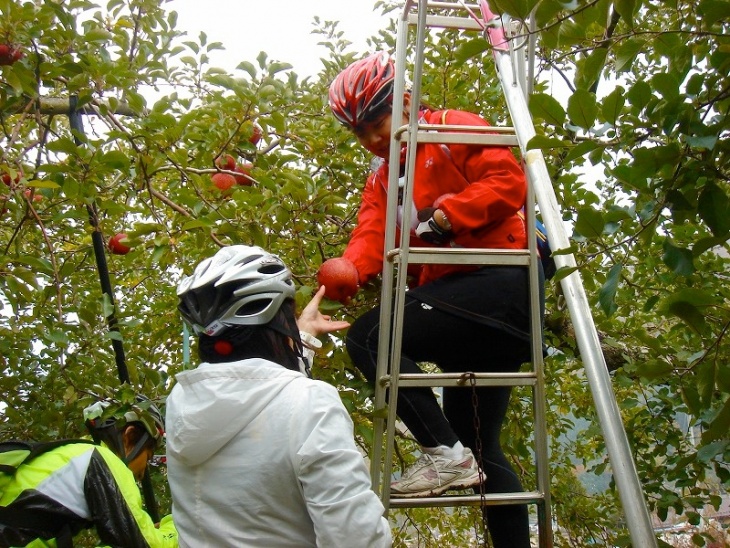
(106, 420)
(239, 286)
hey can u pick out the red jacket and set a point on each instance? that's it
(489, 188)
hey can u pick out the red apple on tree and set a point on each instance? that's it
(437, 202)
(245, 173)
(340, 278)
(10, 54)
(225, 161)
(118, 244)
(256, 134)
(36, 196)
(223, 181)
(10, 180)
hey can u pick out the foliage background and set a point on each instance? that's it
(639, 156)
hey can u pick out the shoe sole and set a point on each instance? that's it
(463, 483)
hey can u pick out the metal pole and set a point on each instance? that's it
(619, 451)
(97, 239)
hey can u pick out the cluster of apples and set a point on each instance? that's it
(13, 182)
(224, 181)
(226, 162)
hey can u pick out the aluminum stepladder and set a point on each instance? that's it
(425, 14)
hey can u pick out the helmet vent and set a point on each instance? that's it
(253, 308)
(271, 268)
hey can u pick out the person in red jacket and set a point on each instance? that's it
(462, 318)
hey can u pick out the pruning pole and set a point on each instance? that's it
(97, 240)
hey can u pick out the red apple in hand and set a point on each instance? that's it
(437, 202)
(340, 278)
(118, 244)
(224, 181)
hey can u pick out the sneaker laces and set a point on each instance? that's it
(424, 459)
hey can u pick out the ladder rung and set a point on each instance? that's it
(466, 23)
(463, 256)
(494, 499)
(470, 135)
(462, 380)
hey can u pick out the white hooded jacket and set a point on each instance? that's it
(259, 455)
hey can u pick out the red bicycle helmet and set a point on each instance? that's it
(361, 88)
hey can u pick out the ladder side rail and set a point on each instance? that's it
(539, 405)
(389, 353)
(627, 480)
(387, 277)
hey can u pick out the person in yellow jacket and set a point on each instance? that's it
(78, 486)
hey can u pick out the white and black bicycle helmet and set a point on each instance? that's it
(239, 286)
(107, 419)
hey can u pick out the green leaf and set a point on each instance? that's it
(247, 67)
(719, 426)
(680, 260)
(581, 149)
(545, 107)
(517, 8)
(98, 35)
(667, 84)
(63, 145)
(655, 369)
(640, 94)
(703, 244)
(612, 105)
(589, 68)
(607, 293)
(714, 208)
(116, 159)
(707, 142)
(582, 108)
(627, 9)
(688, 305)
(470, 48)
(714, 11)
(625, 53)
(708, 452)
(197, 223)
(107, 305)
(38, 183)
(541, 142)
(590, 223)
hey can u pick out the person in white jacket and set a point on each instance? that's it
(258, 453)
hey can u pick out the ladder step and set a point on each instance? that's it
(471, 135)
(463, 256)
(446, 22)
(495, 499)
(462, 380)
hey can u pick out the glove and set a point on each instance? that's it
(429, 230)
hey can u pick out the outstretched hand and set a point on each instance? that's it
(314, 322)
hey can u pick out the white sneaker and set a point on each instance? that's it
(433, 475)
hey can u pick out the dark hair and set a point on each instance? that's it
(272, 341)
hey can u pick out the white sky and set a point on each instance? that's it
(281, 29)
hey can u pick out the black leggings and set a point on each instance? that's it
(455, 344)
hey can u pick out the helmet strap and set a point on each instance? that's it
(137, 449)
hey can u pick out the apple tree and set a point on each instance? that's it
(114, 122)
